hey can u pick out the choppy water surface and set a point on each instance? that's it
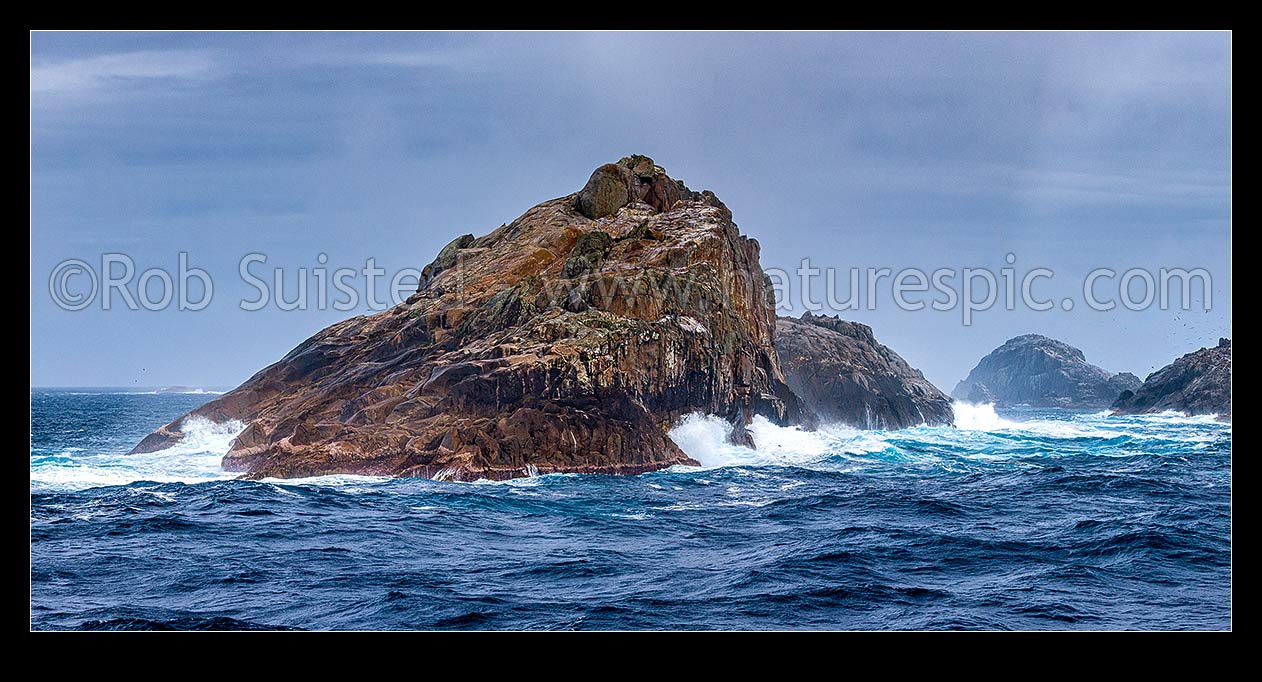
(1026, 519)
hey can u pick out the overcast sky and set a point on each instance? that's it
(1070, 151)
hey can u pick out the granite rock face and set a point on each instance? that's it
(568, 340)
(1197, 383)
(844, 375)
(1042, 372)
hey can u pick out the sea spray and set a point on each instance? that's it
(195, 458)
(978, 417)
(704, 438)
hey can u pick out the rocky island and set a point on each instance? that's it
(1042, 372)
(569, 340)
(1197, 383)
(844, 375)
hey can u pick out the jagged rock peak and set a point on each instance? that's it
(633, 179)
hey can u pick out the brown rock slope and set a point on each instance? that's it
(843, 374)
(569, 340)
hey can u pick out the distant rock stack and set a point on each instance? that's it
(842, 373)
(1196, 383)
(1042, 372)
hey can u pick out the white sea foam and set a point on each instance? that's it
(705, 439)
(971, 417)
(981, 435)
(196, 458)
(345, 483)
(1174, 417)
(1103, 424)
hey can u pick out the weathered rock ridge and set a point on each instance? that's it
(1196, 383)
(1043, 372)
(568, 340)
(842, 373)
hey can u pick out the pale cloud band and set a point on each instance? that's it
(109, 70)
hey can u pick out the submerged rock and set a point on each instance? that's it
(842, 373)
(1042, 372)
(569, 340)
(1196, 383)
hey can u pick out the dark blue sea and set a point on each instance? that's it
(1021, 519)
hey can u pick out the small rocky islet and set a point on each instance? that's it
(570, 340)
(1036, 370)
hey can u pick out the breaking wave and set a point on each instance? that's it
(980, 435)
(195, 459)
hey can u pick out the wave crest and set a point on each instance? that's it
(704, 438)
(195, 459)
(974, 417)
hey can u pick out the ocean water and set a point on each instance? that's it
(1021, 519)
